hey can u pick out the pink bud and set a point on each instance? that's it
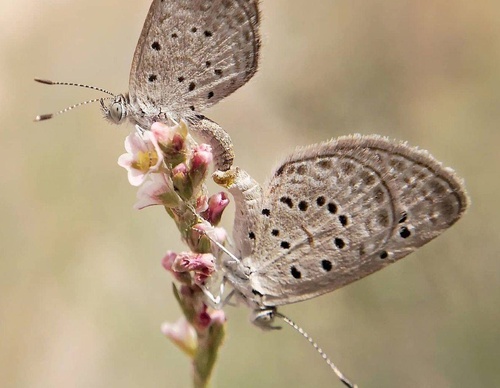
(219, 234)
(218, 317)
(216, 205)
(167, 263)
(204, 318)
(190, 261)
(181, 181)
(204, 228)
(201, 204)
(177, 142)
(182, 334)
(162, 132)
(168, 260)
(202, 264)
(180, 169)
(202, 157)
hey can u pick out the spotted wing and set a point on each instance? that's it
(193, 53)
(335, 212)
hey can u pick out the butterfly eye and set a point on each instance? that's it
(116, 112)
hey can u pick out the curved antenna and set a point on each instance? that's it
(339, 374)
(50, 115)
(48, 82)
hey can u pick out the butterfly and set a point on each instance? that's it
(333, 213)
(190, 55)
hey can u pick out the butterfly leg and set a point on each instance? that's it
(212, 133)
(212, 300)
(216, 301)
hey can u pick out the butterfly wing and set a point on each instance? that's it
(193, 53)
(335, 212)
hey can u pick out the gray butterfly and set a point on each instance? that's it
(333, 213)
(190, 55)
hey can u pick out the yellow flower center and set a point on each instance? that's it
(145, 160)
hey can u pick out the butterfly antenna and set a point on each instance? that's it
(48, 82)
(50, 115)
(339, 374)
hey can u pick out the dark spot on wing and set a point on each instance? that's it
(287, 200)
(295, 273)
(302, 169)
(404, 232)
(339, 243)
(327, 265)
(303, 206)
(325, 163)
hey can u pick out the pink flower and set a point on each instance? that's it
(164, 133)
(181, 181)
(177, 142)
(143, 156)
(201, 204)
(202, 156)
(171, 141)
(200, 162)
(202, 264)
(182, 334)
(204, 228)
(157, 191)
(219, 235)
(180, 169)
(218, 317)
(216, 205)
(168, 260)
(167, 263)
(202, 235)
(204, 319)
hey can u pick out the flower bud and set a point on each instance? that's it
(216, 205)
(182, 334)
(181, 181)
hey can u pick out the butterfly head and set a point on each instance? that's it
(116, 111)
(264, 318)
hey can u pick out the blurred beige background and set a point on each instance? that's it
(82, 290)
